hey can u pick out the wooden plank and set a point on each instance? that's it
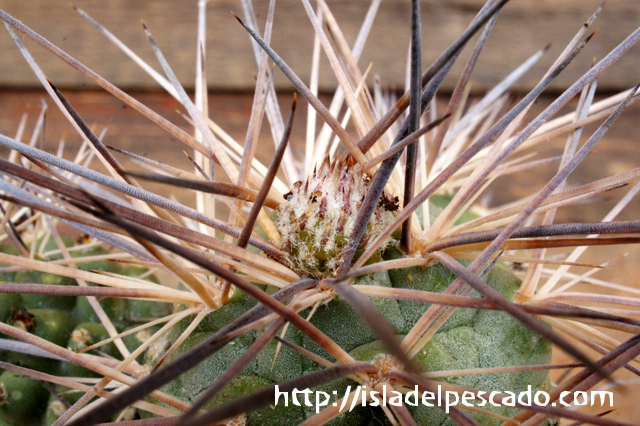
(524, 27)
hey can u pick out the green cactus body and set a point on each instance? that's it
(50, 324)
(143, 310)
(115, 308)
(55, 407)
(22, 401)
(82, 336)
(36, 301)
(68, 322)
(9, 303)
(95, 265)
(469, 339)
(134, 340)
(33, 301)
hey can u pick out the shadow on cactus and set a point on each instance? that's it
(378, 299)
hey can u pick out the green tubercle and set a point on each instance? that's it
(38, 301)
(49, 324)
(84, 335)
(55, 407)
(22, 400)
(143, 310)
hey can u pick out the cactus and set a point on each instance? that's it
(350, 283)
(22, 400)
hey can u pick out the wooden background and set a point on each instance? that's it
(523, 27)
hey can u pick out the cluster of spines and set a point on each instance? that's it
(70, 322)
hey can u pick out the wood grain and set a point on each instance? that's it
(523, 27)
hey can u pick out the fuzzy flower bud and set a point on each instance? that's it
(319, 216)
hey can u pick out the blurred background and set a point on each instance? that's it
(523, 28)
